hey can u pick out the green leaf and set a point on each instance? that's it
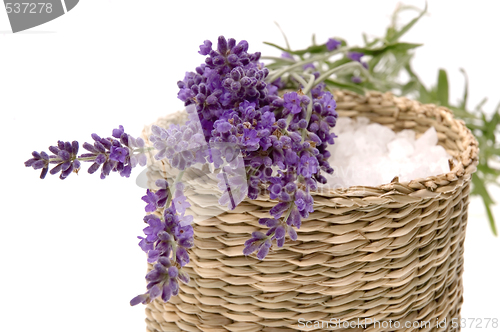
(276, 65)
(390, 32)
(278, 47)
(311, 49)
(491, 219)
(342, 85)
(338, 63)
(396, 35)
(409, 87)
(365, 39)
(442, 88)
(402, 47)
(484, 168)
(491, 126)
(284, 36)
(481, 104)
(463, 103)
(368, 43)
(397, 47)
(481, 190)
(463, 114)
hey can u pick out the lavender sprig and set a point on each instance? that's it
(119, 153)
(168, 237)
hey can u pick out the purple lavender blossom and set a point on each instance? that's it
(229, 76)
(163, 282)
(356, 79)
(292, 102)
(181, 204)
(184, 145)
(65, 158)
(355, 56)
(332, 44)
(137, 155)
(151, 199)
(112, 154)
(162, 234)
(166, 243)
(39, 161)
(308, 65)
(206, 47)
(118, 154)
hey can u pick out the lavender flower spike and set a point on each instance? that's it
(119, 153)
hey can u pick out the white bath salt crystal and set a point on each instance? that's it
(406, 134)
(370, 154)
(429, 138)
(382, 134)
(400, 148)
(343, 124)
(362, 122)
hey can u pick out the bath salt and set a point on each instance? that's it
(370, 154)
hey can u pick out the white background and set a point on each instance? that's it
(68, 251)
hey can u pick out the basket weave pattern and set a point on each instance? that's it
(388, 252)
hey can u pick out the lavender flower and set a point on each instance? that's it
(332, 44)
(184, 145)
(65, 158)
(181, 204)
(113, 154)
(206, 47)
(138, 152)
(308, 65)
(39, 161)
(356, 79)
(355, 56)
(163, 282)
(151, 199)
(229, 76)
(168, 237)
(292, 102)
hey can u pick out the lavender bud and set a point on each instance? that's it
(263, 250)
(167, 292)
(183, 276)
(154, 292)
(139, 299)
(173, 272)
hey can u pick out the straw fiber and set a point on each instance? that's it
(393, 252)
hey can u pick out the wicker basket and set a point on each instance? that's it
(394, 252)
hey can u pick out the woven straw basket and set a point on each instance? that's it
(394, 252)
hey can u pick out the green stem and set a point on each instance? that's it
(85, 159)
(172, 189)
(142, 150)
(275, 58)
(288, 212)
(340, 68)
(274, 75)
(307, 90)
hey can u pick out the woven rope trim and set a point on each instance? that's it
(388, 252)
